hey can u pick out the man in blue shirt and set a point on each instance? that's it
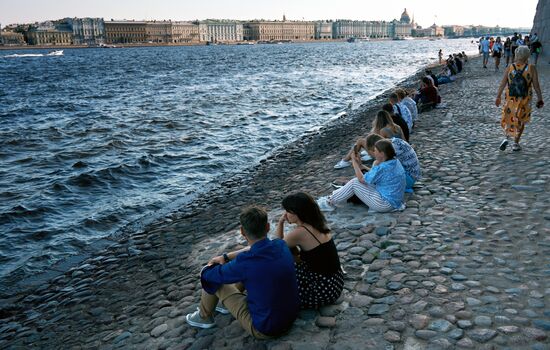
(265, 269)
(485, 49)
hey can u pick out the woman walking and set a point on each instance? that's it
(520, 78)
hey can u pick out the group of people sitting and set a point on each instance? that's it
(265, 284)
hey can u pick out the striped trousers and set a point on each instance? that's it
(366, 193)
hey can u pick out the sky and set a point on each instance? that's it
(426, 12)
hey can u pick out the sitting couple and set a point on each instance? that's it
(394, 171)
(261, 285)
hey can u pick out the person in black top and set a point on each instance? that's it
(397, 119)
(320, 276)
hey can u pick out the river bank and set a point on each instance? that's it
(122, 45)
(463, 266)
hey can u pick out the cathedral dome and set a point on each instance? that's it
(405, 17)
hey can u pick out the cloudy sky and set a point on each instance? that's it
(426, 12)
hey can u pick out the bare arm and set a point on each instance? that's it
(279, 232)
(536, 84)
(357, 167)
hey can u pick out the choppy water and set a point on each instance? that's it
(93, 139)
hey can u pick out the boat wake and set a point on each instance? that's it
(53, 53)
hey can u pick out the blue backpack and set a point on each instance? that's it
(518, 86)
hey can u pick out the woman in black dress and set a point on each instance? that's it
(320, 277)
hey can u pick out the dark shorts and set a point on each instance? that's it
(496, 54)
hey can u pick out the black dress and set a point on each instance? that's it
(320, 277)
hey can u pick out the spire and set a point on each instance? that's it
(284, 18)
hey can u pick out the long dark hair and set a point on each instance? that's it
(304, 206)
(383, 119)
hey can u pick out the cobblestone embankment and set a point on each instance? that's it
(466, 265)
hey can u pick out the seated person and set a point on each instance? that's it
(428, 96)
(381, 188)
(402, 110)
(265, 268)
(464, 56)
(382, 125)
(445, 76)
(398, 120)
(405, 99)
(404, 153)
(320, 277)
(431, 75)
(458, 63)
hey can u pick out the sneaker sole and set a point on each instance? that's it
(341, 166)
(199, 325)
(222, 310)
(503, 146)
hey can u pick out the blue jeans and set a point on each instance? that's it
(410, 183)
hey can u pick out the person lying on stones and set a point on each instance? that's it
(428, 96)
(381, 188)
(403, 152)
(383, 125)
(265, 269)
(402, 110)
(406, 100)
(320, 276)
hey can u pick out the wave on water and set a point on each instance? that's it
(104, 141)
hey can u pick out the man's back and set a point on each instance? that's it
(268, 274)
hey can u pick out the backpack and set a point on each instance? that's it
(518, 86)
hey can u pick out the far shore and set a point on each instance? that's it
(64, 47)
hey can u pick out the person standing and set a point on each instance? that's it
(440, 54)
(507, 50)
(520, 78)
(485, 50)
(497, 51)
(514, 46)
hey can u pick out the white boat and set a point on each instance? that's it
(56, 53)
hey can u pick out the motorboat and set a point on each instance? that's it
(55, 53)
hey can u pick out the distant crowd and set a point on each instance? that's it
(489, 46)
(265, 284)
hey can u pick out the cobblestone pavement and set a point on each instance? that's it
(466, 265)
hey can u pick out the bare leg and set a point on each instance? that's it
(519, 133)
(360, 144)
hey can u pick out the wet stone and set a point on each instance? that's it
(425, 334)
(419, 321)
(482, 335)
(483, 321)
(378, 309)
(325, 322)
(440, 326)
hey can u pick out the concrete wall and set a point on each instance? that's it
(541, 26)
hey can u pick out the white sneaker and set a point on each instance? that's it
(366, 158)
(516, 147)
(221, 309)
(342, 164)
(324, 204)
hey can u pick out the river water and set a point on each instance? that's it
(95, 138)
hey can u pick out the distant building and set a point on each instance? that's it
(281, 30)
(405, 19)
(432, 31)
(344, 29)
(11, 38)
(323, 30)
(453, 31)
(50, 33)
(220, 31)
(185, 32)
(400, 30)
(125, 32)
(87, 31)
(158, 32)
